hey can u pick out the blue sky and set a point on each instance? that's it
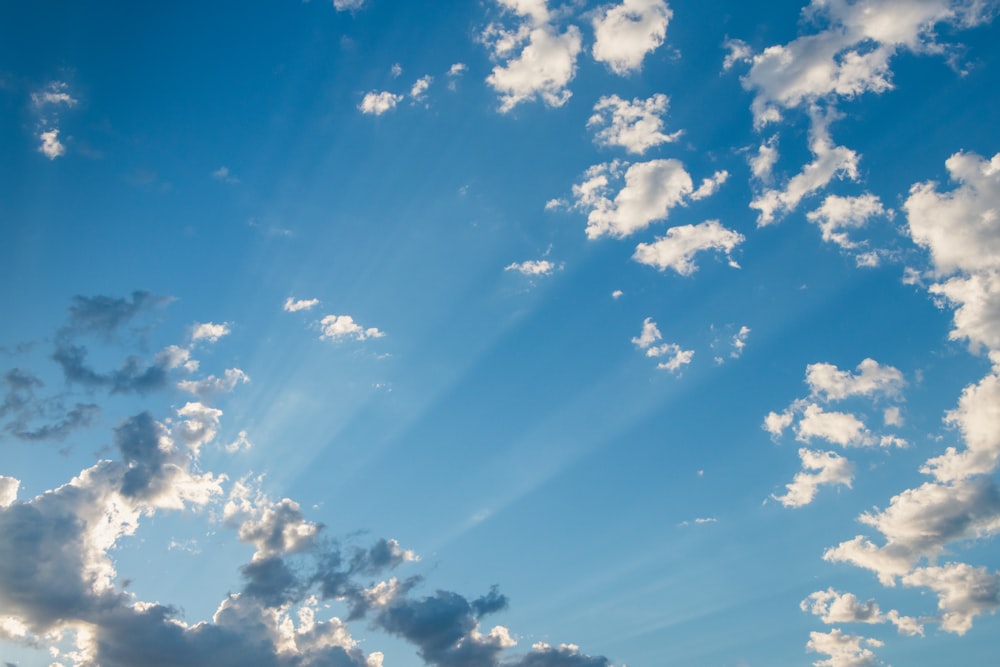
(507, 333)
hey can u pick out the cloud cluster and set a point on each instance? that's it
(673, 355)
(810, 420)
(59, 586)
(534, 267)
(48, 104)
(850, 54)
(342, 327)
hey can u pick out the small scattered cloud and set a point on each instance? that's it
(296, 305)
(342, 327)
(418, 91)
(377, 103)
(673, 355)
(537, 267)
(209, 331)
(617, 294)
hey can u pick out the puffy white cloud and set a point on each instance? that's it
(51, 147)
(294, 306)
(834, 607)
(209, 331)
(851, 54)
(920, 523)
(840, 428)
(872, 379)
(339, 327)
(775, 423)
(273, 528)
(977, 418)
(843, 650)
(838, 214)
(676, 249)
(963, 591)
(709, 186)
(199, 424)
(651, 189)
(636, 126)
(539, 267)
(649, 335)
(543, 68)
(961, 228)
(830, 161)
(534, 59)
(379, 102)
(829, 467)
(976, 300)
(457, 69)
(625, 33)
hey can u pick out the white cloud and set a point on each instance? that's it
(963, 591)
(534, 59)
(54, 94)
(843, 650)
(892, 416)
(872, 379)
(829, 467)
(273, 528)
(213, 385)
(378, 103)
(339, 327)
(241, 443)
(636, 126)
(676, 357)
(851, 55)
(396, 70)
(739, 342)
(617, 294)
(775, 423)
(344, 5)
(919, 523)
(762, 164)
(709, 186)
(294, 306)
(676, 249)
(625, 33)
(830, 161)
(977, 417)
(457, 69)
(961, 229)
(541, 267)
(419, 89)
(651, 189)
(543, 68)
(8, 490)
(838, 214)
(649, 335)
(833, 607)
(209, 331)
(51, 146)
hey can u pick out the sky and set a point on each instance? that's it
(508, 333)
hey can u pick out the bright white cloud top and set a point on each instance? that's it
(318, 347)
